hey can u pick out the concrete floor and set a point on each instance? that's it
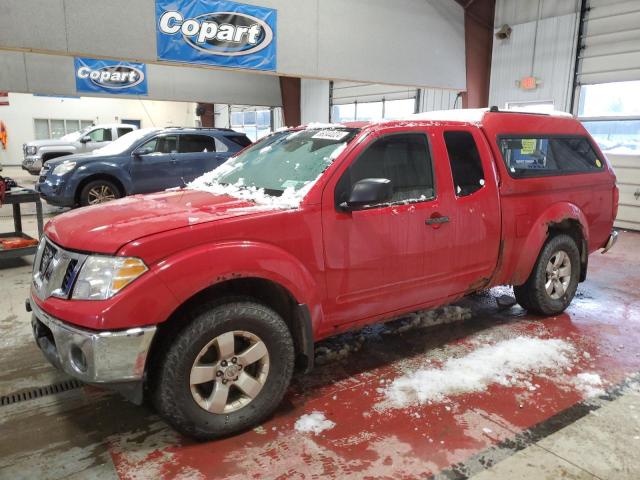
(547, 431)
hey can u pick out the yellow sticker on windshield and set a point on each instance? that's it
(528, 146)
(598, 163)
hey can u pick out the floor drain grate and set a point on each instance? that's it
(37, 392)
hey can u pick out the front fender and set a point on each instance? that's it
(538, 234)
(111, 169)
(189, 272)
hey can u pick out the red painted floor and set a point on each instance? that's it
(372, 441)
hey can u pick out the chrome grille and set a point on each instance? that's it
(55, 270)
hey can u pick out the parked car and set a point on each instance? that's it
(205, 298)
(147, 160)
(39, 152)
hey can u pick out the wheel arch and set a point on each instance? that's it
(98, 176)
(559, 218)
(262, 290)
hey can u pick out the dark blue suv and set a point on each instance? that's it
(143, 161)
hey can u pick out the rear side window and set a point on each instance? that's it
(466, 166)
(241, 140)
(540, 156)
(196, 144)
(221, 146)
(163, 144)
(124, 131)
(404, 159)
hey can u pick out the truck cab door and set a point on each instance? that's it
(390, 257)
(477, 215)
(154, 166)
(96, 138)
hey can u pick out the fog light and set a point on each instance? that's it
(78, 359)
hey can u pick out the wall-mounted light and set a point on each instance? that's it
(504, 32)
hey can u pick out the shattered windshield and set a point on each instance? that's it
(286, 160)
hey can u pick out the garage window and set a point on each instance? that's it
(540, 156)
(402, 158)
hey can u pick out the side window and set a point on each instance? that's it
(404, 159)
(466, 166)
(101, 135)
(220, 146)
(539, 156)
(196, 144)
(124, 131)
(164, 144)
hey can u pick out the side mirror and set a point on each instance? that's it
(368, 191)
(85, 139)
(142, 151)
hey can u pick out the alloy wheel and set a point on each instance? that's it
(558, 274)
(229, 372)
(100, 194)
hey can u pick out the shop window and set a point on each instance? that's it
(47, 129)
(464, 159)
(611, 114)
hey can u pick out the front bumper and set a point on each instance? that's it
(113, 359)
(611, 241)
(32, 164)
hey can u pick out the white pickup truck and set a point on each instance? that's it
(38, 152)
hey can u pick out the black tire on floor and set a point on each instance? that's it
(171, 390)
(533, 296)
(103, 185)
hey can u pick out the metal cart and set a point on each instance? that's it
(15, 197)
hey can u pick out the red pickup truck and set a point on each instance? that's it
(205, 298)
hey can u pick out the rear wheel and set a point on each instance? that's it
(99, 191)
(226, 371)
(554, 279)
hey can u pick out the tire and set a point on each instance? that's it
(99, 191)
(180, 396)
(534, 295)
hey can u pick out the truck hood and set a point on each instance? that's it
(106, 228)
(50, 143)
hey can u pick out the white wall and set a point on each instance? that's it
(24, 108)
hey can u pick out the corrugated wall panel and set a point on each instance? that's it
(627, 168)
(553, 61)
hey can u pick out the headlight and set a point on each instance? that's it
(64, 167)
(31, 150)
(101, 277)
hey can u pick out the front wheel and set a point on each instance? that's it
(226, 371)
(554, 279)
(99, 191)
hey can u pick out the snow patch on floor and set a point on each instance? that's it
(590, 384)
(314, 422)
(509, 362)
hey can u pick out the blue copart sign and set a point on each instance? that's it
(110, 76)
(221, 33)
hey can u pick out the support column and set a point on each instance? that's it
(290, 90)
(478, 41)
(206, 113)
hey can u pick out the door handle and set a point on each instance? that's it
(436, 220)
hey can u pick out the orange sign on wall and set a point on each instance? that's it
(3, 135)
